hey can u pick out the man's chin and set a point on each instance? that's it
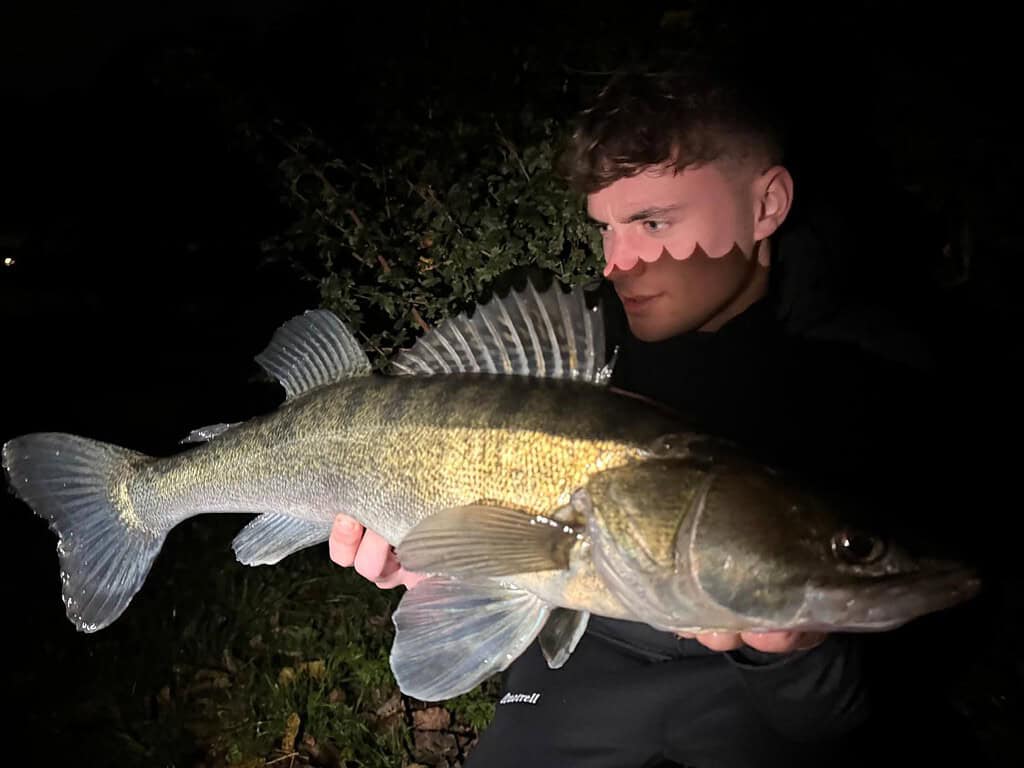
(645, 329)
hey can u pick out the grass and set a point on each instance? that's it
(219, 664)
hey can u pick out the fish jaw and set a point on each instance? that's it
(888, 602)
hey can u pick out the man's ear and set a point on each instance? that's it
(773, 198)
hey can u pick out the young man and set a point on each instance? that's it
(685, 252)
(684, 177)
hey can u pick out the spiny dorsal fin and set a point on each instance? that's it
(312, 350)
(550, 335)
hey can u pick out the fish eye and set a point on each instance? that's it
(856, 547)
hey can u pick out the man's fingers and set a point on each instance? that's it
(372, 556)
(412, 579)
(351, 545)
(766, 642)
(771, 642)
(392, 576)
(782, 642)
(398, 576)
(346, 534)
(720, 641)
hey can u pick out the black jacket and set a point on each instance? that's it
(804, 390)
(862, 414)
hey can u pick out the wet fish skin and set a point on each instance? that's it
(497, 460)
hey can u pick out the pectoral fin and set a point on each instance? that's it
(476, 540)
(451, 635)
(561, 634)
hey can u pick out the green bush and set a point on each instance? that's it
(432, 222)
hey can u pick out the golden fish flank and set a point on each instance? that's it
(524, 469)
(122, 502)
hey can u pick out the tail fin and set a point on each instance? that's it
(78, 485)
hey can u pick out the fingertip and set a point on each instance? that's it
(773, 642)
(345, 526)
(341, 551)
(720, 641)
(371, 556)
(412, 579)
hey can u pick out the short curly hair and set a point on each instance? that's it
(687, 116)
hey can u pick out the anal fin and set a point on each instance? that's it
(273, 536)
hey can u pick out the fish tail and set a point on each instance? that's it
(80, 487)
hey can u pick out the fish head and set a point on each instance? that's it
(786, 557)
(734, 545)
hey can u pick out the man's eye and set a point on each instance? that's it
(655, 226)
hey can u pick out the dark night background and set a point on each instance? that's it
(133, 208)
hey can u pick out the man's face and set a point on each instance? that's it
(678, 246)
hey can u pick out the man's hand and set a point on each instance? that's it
(352, 545)
(767, 642)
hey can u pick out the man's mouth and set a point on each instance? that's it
(637, 301)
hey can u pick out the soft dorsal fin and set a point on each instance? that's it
(550, 335)
(312, 350)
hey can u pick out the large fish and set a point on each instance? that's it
(494, 455)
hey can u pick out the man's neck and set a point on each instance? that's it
(753, 290)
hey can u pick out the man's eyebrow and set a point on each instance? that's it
(652, 212)
(646, 213)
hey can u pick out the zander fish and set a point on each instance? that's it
(494, 455)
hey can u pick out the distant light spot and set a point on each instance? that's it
(8, 261)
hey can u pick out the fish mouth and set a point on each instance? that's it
(889, 602)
